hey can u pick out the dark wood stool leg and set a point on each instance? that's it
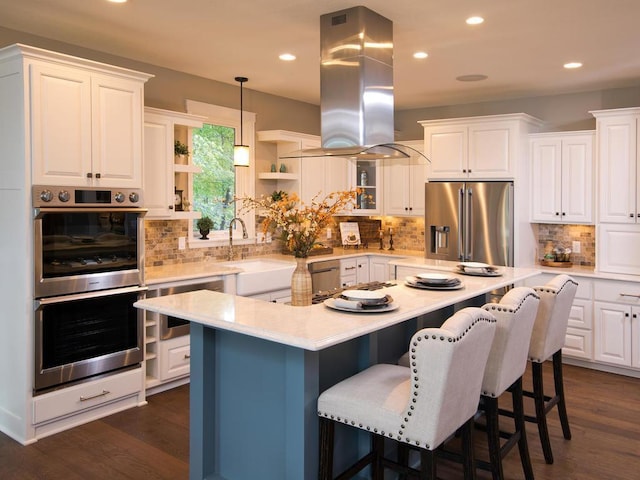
(377, 447)
(490, 406)
(541, 417)
(403, 458)
(469, 461)
(518, 417)
(325, 467)
(427, 465)
(559, 386)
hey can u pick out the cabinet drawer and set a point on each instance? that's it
(578, 344)
(581, 314)
(615, 291)
(175, 357)
(348, 266)
(86, 395)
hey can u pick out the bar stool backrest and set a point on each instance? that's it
(550, 327)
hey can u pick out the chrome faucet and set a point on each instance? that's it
(244, 234)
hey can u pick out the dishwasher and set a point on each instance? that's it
(325, 275)
(171, 327)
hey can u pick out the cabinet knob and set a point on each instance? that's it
(464, 170)
(89, 175)
(410, 208)
(170, 207)
(97, 175)
(631, 215)
(405, 209)
(557, 214)
(563, 214)
(626, 315)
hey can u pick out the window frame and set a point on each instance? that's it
(245, 176)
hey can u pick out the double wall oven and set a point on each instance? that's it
(88, 265)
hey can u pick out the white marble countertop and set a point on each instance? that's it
(317, 327)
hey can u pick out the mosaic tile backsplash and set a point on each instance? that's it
(161, 241)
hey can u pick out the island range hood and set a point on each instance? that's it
(356, 87)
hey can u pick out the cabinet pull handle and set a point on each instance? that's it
(629, 295)
(89, 175)
(187, 356)
(97, 175)
(631, 215)
(91, 397)
(349, 268)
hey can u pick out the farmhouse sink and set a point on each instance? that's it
(261, 275)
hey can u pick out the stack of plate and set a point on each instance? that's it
(363, 301)
(434, 281)
(479, 269)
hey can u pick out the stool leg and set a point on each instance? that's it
(559, 385)
(518, 416)
(325, 468)
(468, 459)
(541, 417)
(377, 446)
(427, 465)
(493, 437)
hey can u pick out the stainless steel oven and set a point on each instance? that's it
(80, 336)
(88, 273)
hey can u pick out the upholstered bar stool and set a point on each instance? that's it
(547, 340)
(421, 405)
(515, 315)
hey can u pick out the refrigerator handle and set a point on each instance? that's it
(469, 228)
(461, 224)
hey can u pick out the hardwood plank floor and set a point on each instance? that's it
(151, 442)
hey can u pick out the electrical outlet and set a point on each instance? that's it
(260, 237)
(182, 243)
(575, 247)
(329, 233)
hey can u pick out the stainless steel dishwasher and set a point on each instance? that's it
(325, 275)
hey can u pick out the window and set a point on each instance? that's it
(215, 188)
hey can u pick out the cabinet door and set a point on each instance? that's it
(158, 181)
(362, 273)
(417, 179)
(61, 125)
(491, 150)
(617, 154)
(618, 250)
(577, 179)
(312, 174)
(446, 147)
(396, 183)
(612, 333)
(117, 132)
(635, 337)
(546, 177)
(378, 269)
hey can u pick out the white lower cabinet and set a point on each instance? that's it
(379, 268)
(278, 296)
(175, 355)
(354, 270)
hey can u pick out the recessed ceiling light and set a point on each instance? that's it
(420, 55)
(474, 20)
(572, 65)
(471, 78)
(287, 57)
(117, 1)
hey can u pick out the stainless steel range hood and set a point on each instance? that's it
(356, 87)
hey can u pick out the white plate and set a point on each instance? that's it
(481, 273)
(410, 282)
(434, 277)
(364, 294)
(330, 302)
(475, 265)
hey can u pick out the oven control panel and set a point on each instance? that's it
(50, 196)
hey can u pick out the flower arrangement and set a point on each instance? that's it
(300, 224)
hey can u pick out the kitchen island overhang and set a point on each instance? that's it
(257, 369)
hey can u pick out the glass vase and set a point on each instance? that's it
(301, 291)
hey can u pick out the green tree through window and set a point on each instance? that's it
(214, 188)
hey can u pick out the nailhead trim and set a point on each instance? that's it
(503, 308)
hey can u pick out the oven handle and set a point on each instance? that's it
(40, 212)
(82, 296)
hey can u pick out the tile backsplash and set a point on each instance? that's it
(564, 236)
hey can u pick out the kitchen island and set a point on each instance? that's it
(257, 369)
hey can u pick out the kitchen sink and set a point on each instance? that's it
(261, 275)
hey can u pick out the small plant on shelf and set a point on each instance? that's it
(180, 148)
(204, 224)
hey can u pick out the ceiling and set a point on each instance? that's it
(521, 46)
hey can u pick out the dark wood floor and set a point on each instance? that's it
(151, 442)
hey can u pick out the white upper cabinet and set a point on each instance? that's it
(475, 147)
(165, 189)
(618, 133)
(86, 121)
(562, 177)
(404, 181)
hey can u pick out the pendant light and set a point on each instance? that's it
(241, 152)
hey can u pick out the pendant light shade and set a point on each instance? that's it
(241, 151)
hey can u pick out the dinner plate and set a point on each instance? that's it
(475, 265)
(481, 273)
(331, 303)
(364, 294)
(410, 282)
(433, 278)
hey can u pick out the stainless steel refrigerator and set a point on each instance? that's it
(469, 221)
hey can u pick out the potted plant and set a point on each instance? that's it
(180, 149)
(204, 224)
